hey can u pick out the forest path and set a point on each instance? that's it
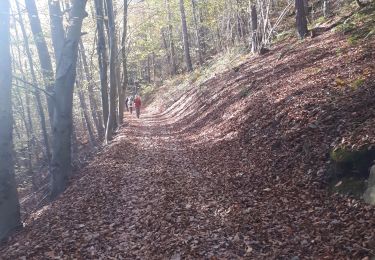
(159, 191)
(169, 206)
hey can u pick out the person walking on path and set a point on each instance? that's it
(126, 104)
(130, 104)
(137, 104)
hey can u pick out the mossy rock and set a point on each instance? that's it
(352, 162)
(350, 186)
(341, 155)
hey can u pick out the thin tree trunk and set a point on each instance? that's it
(84, 109)
(102, 59)
(197, 32)
(43, 53)
(185, 36)
(26, 118)
(124, 62)
(171, 41)
(93, 105)
(9, 204)
(254, 29)
(37, 93)
(112, 72)
(61, 166)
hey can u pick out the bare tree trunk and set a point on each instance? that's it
(44, 56)
(93, 105)
(197, 32)
(57, 28)
(254, 28)
(61, 166)
(84, 109)
(301, 21)
(171, 41)
(102, 59)
(112, 70)
(37, 93)
(326, 8)
(26, 118)
(124, 62)
(185, 35)
(9, 204)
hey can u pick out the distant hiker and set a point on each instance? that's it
(130, 104)
(137, 104)
(126, 104)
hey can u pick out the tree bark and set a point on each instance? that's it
(197, 32)
(93, 104)
(301, 21)
(102, 59)
(326, 9)
(37, 93)
(43, 53)
(9, 204)
(112, 73)
(57, 28)
(124, 62)
(254, 29)
(185, 36)
(171, 41)
(61, 166)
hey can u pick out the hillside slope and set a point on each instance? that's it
(235, 168)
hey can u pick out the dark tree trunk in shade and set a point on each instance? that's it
(61, 165)
(9, 204)
(301, 21)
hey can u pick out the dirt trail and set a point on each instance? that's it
(155, 194)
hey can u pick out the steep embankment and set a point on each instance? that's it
(234, 169)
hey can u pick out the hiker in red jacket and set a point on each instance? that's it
(137, 104)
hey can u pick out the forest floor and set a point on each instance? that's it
(234, 169)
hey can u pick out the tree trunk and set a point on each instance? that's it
(301, 21)
(171, 41)
(102, 59)
(37, 93)
(57, 28)
(93, 105)
(254, 29)
(84, 109)
(197, 32)
(9, 204)
(124, 62)
(112, 72)
(62, 118)
(44, 56)
(326, 9)
(185, 36)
